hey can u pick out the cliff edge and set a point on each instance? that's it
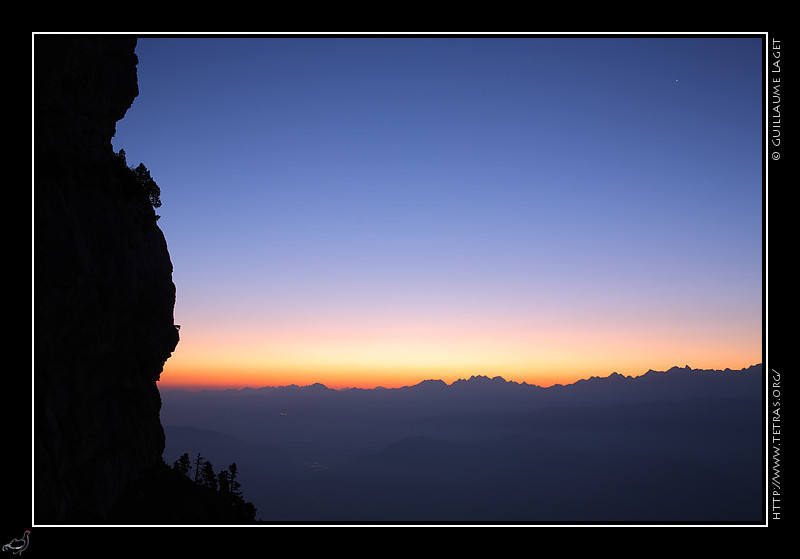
(103, 290)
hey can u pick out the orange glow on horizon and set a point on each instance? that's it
(231, 377)
(357, 351)
(236, 378)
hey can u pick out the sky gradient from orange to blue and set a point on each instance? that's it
(379, 211)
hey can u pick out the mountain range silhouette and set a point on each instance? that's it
(682, 445)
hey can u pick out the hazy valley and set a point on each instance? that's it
(681, 445)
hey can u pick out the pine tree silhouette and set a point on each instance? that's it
(183, 464)
(198, 463)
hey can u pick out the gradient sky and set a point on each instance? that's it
(379, 211)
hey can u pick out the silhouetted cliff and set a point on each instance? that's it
(103, 290)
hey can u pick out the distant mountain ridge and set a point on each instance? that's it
(681, 444)
(496, 381)
(475, 395)
(674, 383)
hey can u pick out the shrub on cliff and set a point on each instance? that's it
(149, 186)
(142, 176)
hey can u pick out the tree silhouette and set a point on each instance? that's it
(143, 178)
(148, 184)
(224, 484)
(207, 476)
(198, 462)
(235, 486)
(183, 464)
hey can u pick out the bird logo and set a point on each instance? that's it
(17, 546)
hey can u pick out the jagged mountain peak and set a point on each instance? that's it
(482, 380)
(434, 384)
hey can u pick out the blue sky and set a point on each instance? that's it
(553, 191)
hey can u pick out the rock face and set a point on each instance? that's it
(103, 290)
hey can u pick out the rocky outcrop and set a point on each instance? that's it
(103, 290)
